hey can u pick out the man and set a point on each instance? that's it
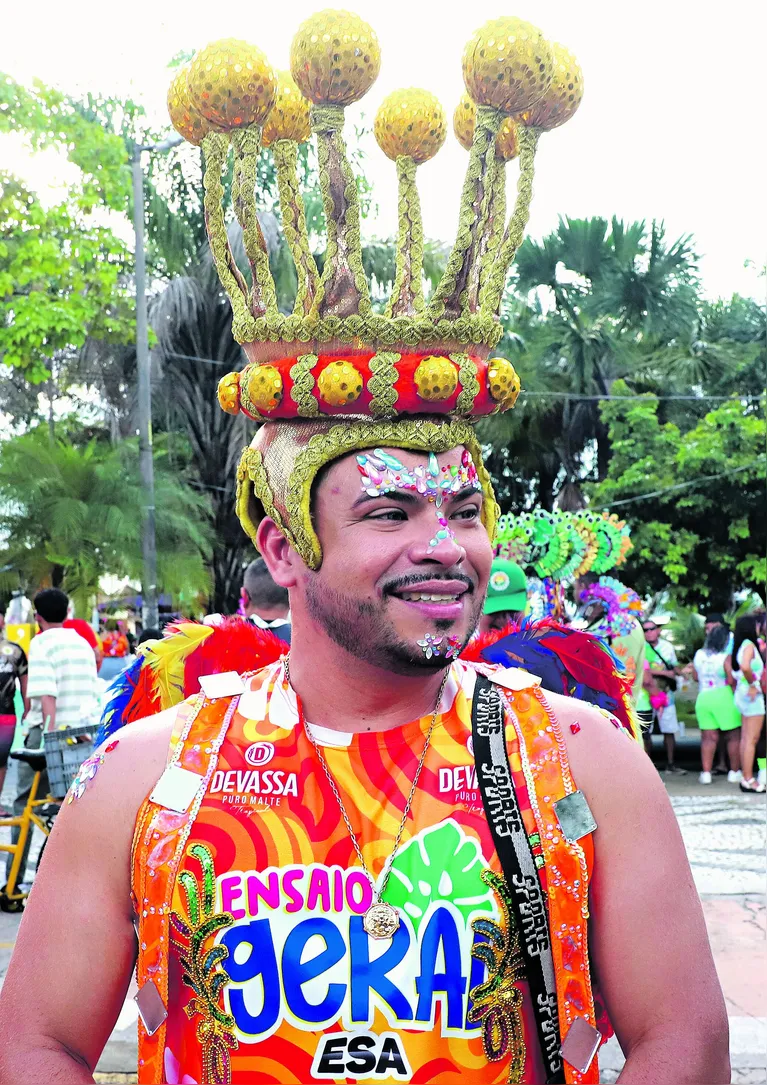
(13, 670)
(660, 674)
(323, 881)
(62, 687)
(265, 603)
(609, 609)
(115, 649)
(506, 600)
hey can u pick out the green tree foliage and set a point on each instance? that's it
(69, 515)
(702, 528)
(591, 301)
(60, 265)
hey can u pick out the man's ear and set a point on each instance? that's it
(281, 559)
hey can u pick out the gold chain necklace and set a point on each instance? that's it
(381, 920)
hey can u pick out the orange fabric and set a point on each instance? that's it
(114, 645)
(283, 861)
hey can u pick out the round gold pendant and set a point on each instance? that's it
(381, 920)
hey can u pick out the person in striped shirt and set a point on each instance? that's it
(62, 687)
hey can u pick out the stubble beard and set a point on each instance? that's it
(364, 629)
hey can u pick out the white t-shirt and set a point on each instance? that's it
(756, 665)
(62, 665)
(709, 667)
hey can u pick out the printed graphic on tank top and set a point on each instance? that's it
(270, 870)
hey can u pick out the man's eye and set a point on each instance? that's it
(387, 514)
(471, 512)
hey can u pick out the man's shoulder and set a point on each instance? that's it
(597, 744)
(137, 757)
(12, 650)
(666, 647)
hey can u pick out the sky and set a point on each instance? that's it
(671, 126)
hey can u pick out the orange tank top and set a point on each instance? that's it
(270, 976)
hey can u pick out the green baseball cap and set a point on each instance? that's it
(507, 588)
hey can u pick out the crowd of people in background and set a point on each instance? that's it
(730, 706)
(63, 678)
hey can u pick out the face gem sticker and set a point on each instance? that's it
(88, 770)
(382, 473)
(435, 646)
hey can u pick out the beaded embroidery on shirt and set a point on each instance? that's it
(497, 1003)
(201, 967)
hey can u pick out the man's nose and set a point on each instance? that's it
(447, 552)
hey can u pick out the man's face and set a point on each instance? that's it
(403, 575)
(651, 632)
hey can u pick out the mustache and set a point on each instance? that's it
(404, 583)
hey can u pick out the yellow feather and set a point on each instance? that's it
(166, 659)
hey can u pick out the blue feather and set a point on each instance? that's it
(120, 693)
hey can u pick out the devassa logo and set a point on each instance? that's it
(260, 753)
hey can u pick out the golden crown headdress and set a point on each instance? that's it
(333, 355)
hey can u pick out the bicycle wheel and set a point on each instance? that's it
(9, 905)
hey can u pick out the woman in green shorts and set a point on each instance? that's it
(715, 705)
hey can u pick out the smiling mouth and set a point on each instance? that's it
(430, 597)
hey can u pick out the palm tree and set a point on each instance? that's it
(68, 517)
(601, 298)
(192, 320)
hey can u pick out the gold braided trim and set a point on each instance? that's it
(215, 149)
(467, 375)
(407, 291)
(285, 152)
(451, 292)
(381, 384)
(479, 329)
(251, 471)
(246, 143)
(303, 383)
(490, 296)
(343, 286)
(496, 223)
(411, 433)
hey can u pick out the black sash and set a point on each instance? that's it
(488, 728)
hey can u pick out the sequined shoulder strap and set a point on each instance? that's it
(158, 844)
(568, 855)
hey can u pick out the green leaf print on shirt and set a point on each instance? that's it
(440, 863)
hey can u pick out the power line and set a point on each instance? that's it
(685, 485)
(638, 395)
(193, 358)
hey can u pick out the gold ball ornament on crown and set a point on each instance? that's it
(563, 95)
(229, 393)
(335, 58)
(265, 387)
(289, 116)
(502, 382)
(464, 120)
(339, 383)
(410, 122)
(231, 83)
(436, 379)
(507, 64)
(184, 116)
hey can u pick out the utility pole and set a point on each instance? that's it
(150, 614)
